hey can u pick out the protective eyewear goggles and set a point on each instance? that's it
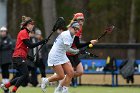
(82, 20)
(76, 29)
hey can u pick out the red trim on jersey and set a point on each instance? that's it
(79, 33)
(21, 49)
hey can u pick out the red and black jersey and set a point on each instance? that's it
(21, 49)
(76, 43)
(79, 33)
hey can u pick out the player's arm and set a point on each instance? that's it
(78, 44)
(81, 45)
(67, 45)
(71, 50)
(33, 45)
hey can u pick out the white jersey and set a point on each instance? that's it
(57, 54)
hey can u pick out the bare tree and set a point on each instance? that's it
(17, 8)
(49, 15)
(131, 52)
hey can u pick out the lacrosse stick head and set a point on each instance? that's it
(110, 29)
(59, 24)
(107, 30)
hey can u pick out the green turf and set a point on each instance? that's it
(83, 89)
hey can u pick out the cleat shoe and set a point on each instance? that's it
(65, 91)
(58, 90)
(44, 84)
(6, 90)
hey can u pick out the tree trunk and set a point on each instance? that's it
(3, 13)
(18, 8)
(131, 52)
(49, 15)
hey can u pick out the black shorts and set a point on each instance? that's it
(74, 60)
(20, 65)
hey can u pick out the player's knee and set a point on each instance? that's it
(60, 77)
(71, 74)
(80, 73)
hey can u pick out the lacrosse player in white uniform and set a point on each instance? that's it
(58, 60)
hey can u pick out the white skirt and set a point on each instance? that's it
(54, 59)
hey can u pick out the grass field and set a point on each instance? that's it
(83, 89)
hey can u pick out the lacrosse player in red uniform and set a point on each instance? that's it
(20, 54)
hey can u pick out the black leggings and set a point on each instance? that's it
(21, 66)
(5, 71)
(41, 67)
(33, 77)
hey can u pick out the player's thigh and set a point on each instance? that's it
(58, 70)
(68, 68)
(79, 68)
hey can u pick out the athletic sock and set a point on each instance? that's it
(59, 85)
(14, 89)
(7, 85)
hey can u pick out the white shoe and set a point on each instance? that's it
(65, 90)
(6, 90)
(58, 90)
(44, 84)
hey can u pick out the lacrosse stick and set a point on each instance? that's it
(60, 23)
(107, 30)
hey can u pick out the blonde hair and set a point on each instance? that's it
(25, 18)
(70, 23)
(25, 21)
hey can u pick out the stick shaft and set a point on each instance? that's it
(44, 44)
(102, 35)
